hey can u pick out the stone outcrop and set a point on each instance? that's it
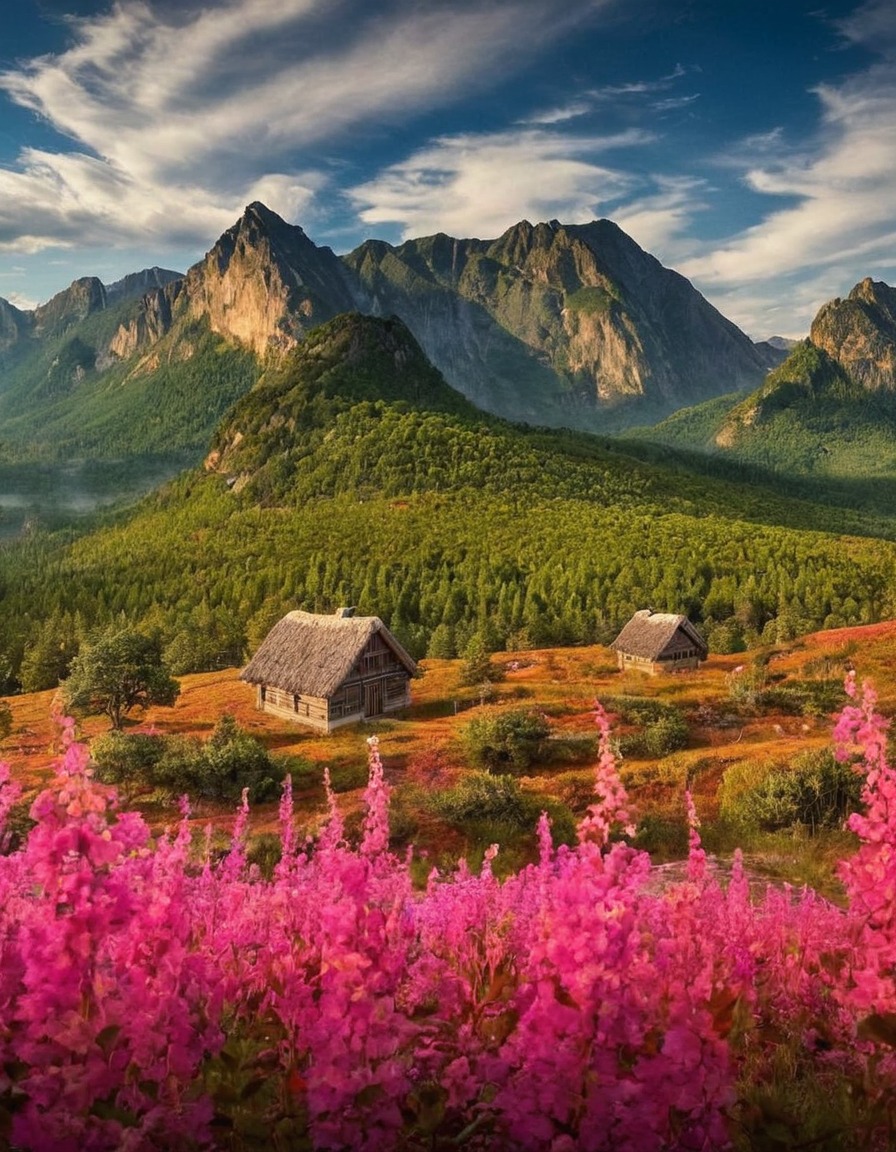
(14, 324)
(860, 334)
(69, 307)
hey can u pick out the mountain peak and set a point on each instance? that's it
(860, 333)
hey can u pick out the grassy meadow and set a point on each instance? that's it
(723, 729)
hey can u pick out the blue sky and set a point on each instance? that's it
(750, 144)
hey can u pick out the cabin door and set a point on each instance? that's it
(373, 698)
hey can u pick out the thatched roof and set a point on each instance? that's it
(651, 634)
(312, 655)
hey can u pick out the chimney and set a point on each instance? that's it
(345, 613)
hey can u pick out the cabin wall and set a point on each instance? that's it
(377, 684)
(679, 662)
(310, 710)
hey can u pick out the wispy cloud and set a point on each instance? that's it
(175, 118)
(835, 213)
(481, 184)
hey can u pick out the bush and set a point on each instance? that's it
(220, 769)
(812, 698)
(817, 791)
(664, 728)
(505, 739)
(483, 796)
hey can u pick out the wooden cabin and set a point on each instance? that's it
(325, 671)
(658, 642)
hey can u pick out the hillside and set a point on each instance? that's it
(352, 474)
(827, 414)
(559, 323)
(722, 730)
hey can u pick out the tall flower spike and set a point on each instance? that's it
(611, 806)
(696, 855)
(375, 840)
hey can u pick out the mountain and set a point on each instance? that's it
(568, 325)
(829, 410)
(565, 321)
(263, 284)
(138, 283)
(352, 473)
(860, 334)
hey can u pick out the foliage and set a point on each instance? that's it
(663, 728)
(499, 739)
(484, 796)
(118, 670)
(477, 667)
(219, 769)
(583, 1003)
(814, 790)
(389, 491)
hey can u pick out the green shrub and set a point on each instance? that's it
(812, 698)
(665, 837)
(498, 740)
(664, 728)
(483, 796)
(128, 760)
(816, 790)
(349, 777)
(220, 769)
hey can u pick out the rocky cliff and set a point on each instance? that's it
(69, 307)
(576, 317)
(860, 334)
(264, 284)
(13, 324)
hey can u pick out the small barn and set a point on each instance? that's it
(325, 671)
(658, 642)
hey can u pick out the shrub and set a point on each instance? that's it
(220, 769)
(816, 790)
(483, 796)
(664, 728)
(498, 740)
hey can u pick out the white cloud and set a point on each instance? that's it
(661, 221)
(836, 217)
(178, 118)
(481, 184)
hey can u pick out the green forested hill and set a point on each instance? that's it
(354, 475)
(56, 404)
(809, 419)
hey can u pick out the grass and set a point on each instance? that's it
(423, 753)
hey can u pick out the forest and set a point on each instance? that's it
(446, 523)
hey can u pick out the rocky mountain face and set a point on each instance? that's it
(84, 297)
(828, 410)
(138, 283)
(548, 324)
(575, 315)
(264, 284)
(13, 324)
(860, 334)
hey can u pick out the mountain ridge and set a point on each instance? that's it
(566, 325)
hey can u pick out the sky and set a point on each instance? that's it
(749, 144)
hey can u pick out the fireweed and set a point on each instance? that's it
(576, 1005)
